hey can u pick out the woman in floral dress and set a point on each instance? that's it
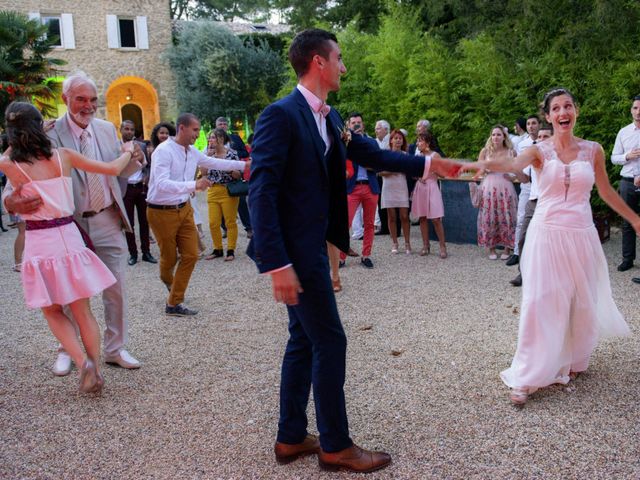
(498, 203)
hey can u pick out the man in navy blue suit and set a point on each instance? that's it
(298, 202)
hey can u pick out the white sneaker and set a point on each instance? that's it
(62, 367)
(123, 359)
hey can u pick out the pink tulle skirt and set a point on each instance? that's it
(57, 268)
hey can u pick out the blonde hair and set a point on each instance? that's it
(506, 142)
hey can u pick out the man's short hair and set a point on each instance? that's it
(222, 120)
(547, 126)
(353, 115)
(522, 123)
(636, 98)
(186, 119)
(533, 116)
(127, 121)
(384, 124)
(306, 45)
(76, 79)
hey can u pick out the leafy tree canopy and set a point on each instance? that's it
(219, 74)
(227, 10)
(24, 64)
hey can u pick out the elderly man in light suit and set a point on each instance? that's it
(99, 209)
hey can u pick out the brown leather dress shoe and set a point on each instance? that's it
(353, 459)
(288, 452)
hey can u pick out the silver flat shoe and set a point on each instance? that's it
(518, 396)
(89, 377)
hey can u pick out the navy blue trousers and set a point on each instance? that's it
(315, 356)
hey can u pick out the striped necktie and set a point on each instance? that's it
(96, 189)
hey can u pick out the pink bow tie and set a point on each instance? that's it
(324, 110)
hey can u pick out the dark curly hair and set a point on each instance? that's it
(25, 135)
(553, 93)
(427, 137)
(154, 133)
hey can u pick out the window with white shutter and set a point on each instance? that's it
(127, 32)
(59, 28)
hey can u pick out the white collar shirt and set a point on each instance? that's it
(628, 138)
(524, 144)
(173, 172)
(384, 143)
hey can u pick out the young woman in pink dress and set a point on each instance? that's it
(498, 207)
(566, 299)
(427, 199)
(57, 268)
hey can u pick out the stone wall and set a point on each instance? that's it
(105, 64)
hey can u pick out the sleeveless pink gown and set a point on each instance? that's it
(566, 295)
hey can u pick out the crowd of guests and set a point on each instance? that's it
(378, 202)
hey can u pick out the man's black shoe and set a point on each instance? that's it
(179, 311)
(635, 279)
(147, 257)
(625, 265)
(381, 233)
(133, 259)
(341, 263)
(517, 282)
(512, 260)
(366, 262)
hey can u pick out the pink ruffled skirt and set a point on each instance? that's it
(57, 268)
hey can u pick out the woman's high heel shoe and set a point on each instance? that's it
(407, 249)
(443, 252)
(337, 286)
(425, 250)
(394, 249)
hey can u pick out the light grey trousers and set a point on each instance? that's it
(105, 231)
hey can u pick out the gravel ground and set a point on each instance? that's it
(427, 339)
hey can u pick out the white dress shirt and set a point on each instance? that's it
(76, 131)
(524, 144)
(173, 169)
(384, 143)
(628, 138)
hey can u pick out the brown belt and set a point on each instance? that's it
(91, 213)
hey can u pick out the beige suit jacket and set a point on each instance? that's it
(109, 146)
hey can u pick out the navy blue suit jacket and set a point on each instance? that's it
(371, 176)
(297, 197)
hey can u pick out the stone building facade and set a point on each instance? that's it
(119, 43)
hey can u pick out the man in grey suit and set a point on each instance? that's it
(99, 209)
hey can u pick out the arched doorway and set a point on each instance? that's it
(133, 112)
(127, 92)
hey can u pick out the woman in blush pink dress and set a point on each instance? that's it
(395, 194)
(567, 303)
(427, 199)
(57, 268)
(498, 207)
